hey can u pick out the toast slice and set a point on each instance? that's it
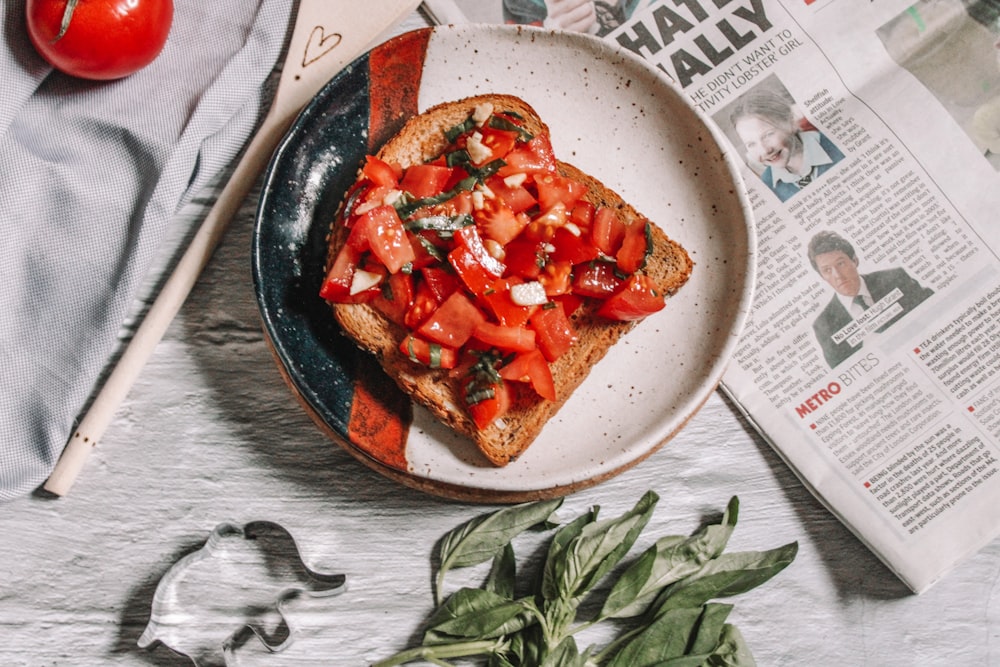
(440, 390)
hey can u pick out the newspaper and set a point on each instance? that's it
(869, 134)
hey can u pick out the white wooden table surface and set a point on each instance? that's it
(211, 434)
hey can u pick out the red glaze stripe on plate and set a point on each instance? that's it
(394, 71)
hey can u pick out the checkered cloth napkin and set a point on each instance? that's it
(91, 177)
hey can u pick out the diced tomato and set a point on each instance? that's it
(428, 249)
(556, 278)
(488, 410)
(380, 172)
(472, 262)
(453, 322)
(387, 237)
(357, 238)
(395, 297)
(582, 215)
(511, 338)
(635, 246)
(517, 197)
(375, 195)
(524, 257)
(607, 231)
(572, 248)
(423, 304)
(337, 283)
(508, 313)
(498, 221)
(440, 281)
(469, 238)
(500, 142)
(425, 180)
(543, 226)
(427, 353)
(473, 274)
(569, 302)
(533, 157)
(531, 367)
(460, 204)
(557, 189)
(639, 298)
(555, 331)
(596, 279)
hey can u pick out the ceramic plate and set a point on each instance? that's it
(611, 114)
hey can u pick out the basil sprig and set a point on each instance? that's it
(666, 593)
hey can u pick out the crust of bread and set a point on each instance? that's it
(422, 139)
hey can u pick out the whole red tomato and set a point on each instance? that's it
(99, 39)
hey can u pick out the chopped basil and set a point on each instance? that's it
(438, 223)
(407, 208)
(352, 201)
(487, 170)
(501, 123)
(461, 158)
(458, 130)
(435, 354)
(458, 158)
(649, 243)
(479, 395)
(483, 377)
(431, 249)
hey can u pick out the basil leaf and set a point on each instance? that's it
(664, 639)
(556, 561)
(666, 562)
(709, 631)
(600, 546)
(732, 650)
(725, 576)
(683, 638)
(481, 538)
(473, 613)
(565, 654)
(503, 573)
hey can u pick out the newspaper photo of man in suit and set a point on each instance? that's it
(862, 303)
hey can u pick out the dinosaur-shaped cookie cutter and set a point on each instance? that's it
(235, 586)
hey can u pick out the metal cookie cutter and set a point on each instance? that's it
(232, 589)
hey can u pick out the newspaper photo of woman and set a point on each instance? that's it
(597, 17)
(781, 146)
(861, 302)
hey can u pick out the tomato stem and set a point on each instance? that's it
(66, 18)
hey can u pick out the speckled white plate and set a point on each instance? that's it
(611, 114)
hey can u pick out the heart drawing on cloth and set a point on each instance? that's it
(319, 45)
